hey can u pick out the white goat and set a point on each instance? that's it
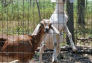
(59, 19)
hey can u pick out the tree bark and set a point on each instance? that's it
(70, 20)
(81, 12)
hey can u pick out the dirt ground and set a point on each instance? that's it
(64, 57)
(69, 57)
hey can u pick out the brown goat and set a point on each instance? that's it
(22, 47)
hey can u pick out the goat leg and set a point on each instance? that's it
(70, 38)
(56, 50)
(41, 51)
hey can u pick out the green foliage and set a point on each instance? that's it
(24, 11)
(18, 12)
(23, 15)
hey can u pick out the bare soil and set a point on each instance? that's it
(64, 57)
(69, 57)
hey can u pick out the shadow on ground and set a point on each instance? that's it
(67, 57)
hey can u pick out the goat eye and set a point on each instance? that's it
(41, 24)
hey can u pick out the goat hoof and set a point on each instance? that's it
(55, 61)
(74, 49)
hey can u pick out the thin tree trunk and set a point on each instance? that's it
(81, 12)
(70, 20)
(81, 16)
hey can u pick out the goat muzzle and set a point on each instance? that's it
(46, 30)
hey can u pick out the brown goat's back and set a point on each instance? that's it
(19, 47)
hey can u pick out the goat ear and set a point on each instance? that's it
(55, 30)
(36, 29)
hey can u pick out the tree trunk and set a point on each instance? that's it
(81, 13)
(70, 20)
(81, 16)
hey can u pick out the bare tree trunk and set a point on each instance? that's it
(81, 13)
(70, 20)
(81, 16)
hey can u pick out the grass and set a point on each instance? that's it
(25, 14)
(21, 18)
(20, 11)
